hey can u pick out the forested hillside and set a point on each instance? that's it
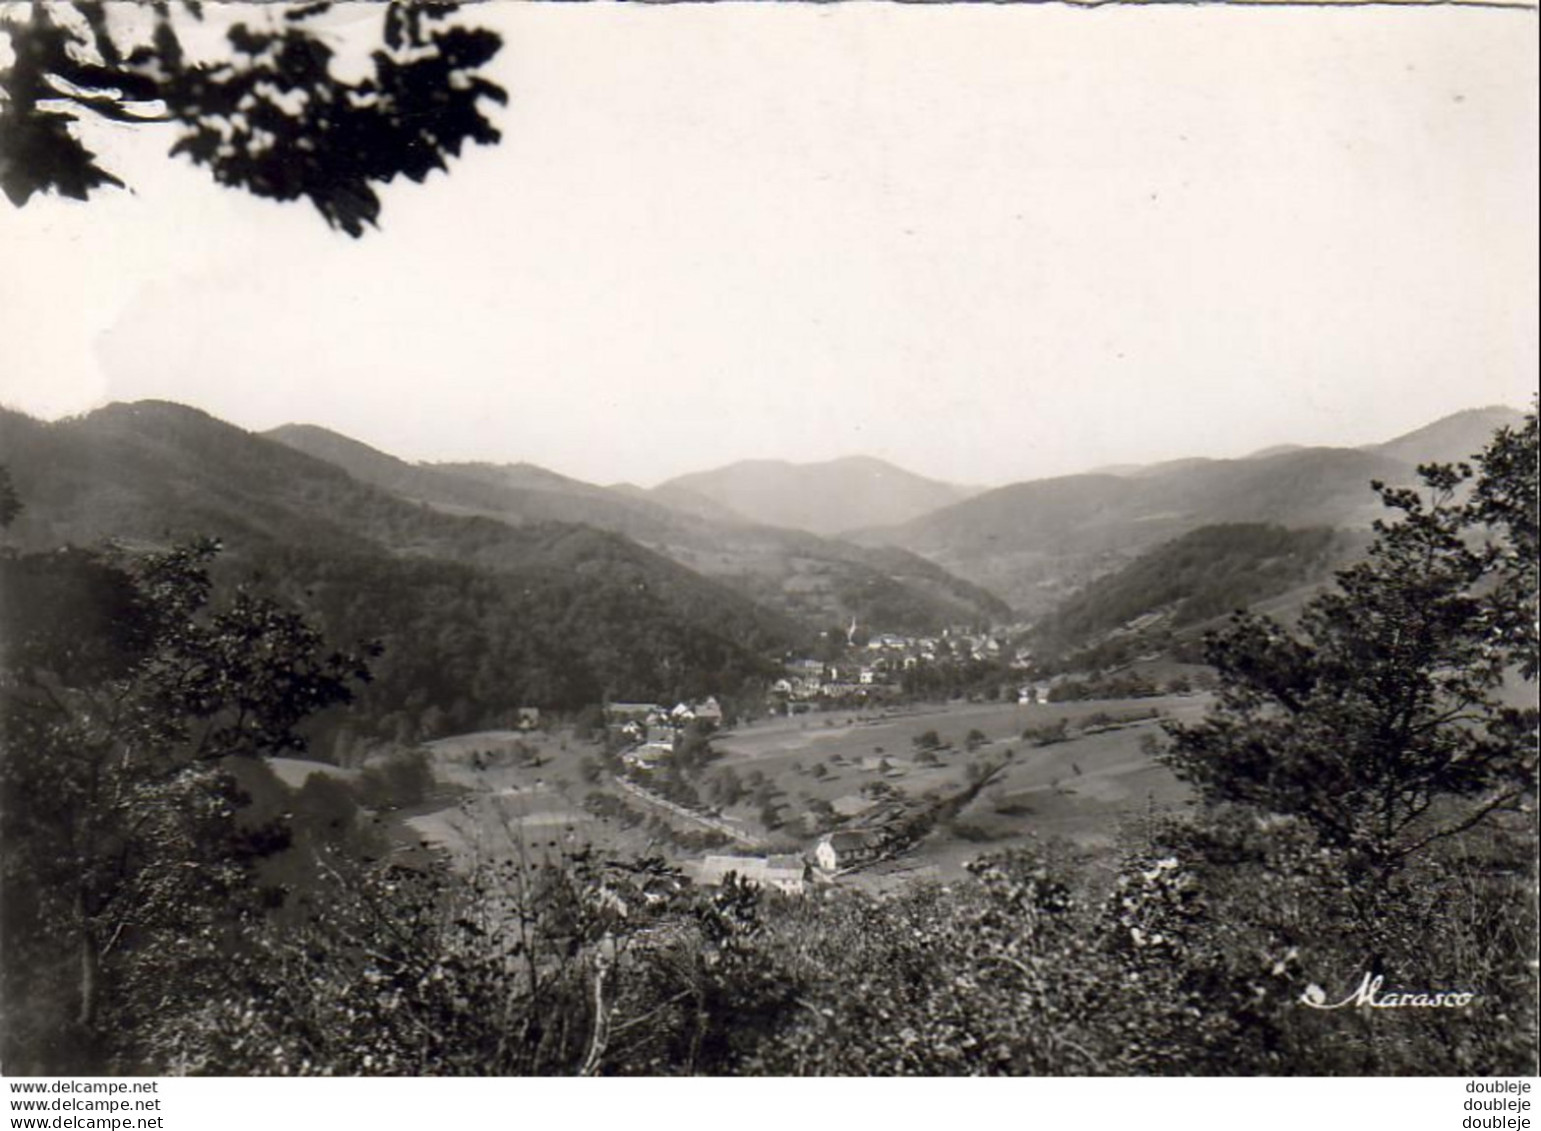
(478, 617)
(465, 647)
(820, 581)
(1206, 573)
(1038, 542)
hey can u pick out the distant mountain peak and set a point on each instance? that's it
(1451, 438)
(824, 497)
(1037, 541)
(151, 409)
(1273, 450)
(296, 435)
(860, 459)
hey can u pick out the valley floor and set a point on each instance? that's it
(1081, 789)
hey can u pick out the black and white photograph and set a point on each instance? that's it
(851, 540)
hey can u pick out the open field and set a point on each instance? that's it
(525, 791)
(524, 794)
(1080, 789)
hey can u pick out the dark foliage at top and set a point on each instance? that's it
(271, 116)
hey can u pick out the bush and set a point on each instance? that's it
(399, 781)
(969, 831)
(1048, 734)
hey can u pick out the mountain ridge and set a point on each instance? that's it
(1038, 541)
(813, 578)
(479, 616)
(824, 497)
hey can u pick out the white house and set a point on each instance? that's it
(648, 755)
(784, 873)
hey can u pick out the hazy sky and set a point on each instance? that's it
(988, 242)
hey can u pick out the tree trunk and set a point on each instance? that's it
(90, 969)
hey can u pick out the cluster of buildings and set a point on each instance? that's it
(643, 715)
(878, 664)
(651, 729)
(792, 874)
(877, 835)
(786, 874)
(807, 680)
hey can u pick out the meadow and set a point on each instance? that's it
(525, 792)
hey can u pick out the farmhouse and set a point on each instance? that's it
(648, 755)
(848, 848)
(784, 873)
(635, 713)
(707, 711)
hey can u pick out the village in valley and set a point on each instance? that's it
(874, 669)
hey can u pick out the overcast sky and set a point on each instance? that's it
(989, 243)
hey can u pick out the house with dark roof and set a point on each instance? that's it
(848, 848)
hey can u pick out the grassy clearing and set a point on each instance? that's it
(1080, 789)
(524, 795)
(294, 772)
(525, 791)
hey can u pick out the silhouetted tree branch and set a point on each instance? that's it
(271, 115)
